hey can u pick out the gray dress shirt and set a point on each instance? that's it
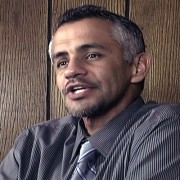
(141, 143)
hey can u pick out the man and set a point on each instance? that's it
(100, 63)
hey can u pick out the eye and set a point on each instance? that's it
(62, 64)
(93, 56)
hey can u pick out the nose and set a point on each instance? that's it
(75, 68)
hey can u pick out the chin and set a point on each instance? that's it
(89, 111)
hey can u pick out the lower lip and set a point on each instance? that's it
(79, 94)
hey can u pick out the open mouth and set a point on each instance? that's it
(78, 89)
(75, 89)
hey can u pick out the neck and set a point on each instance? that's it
(93, 125)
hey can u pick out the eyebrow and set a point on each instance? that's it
(89, 46)
(80, 48)
(59, 54)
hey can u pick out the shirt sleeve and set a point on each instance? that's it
(9, 168)
(157, 155)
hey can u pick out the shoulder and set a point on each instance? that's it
(55, 124)
(155, 147)
(167, 110)
(39, 144)
(153, 113)
(163, 110)
(157, 124)
(47, 132)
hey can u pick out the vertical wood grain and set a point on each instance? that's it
(59, 7)
(160, 21)
(23, 45)
(23, 58)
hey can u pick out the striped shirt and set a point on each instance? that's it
(141, 143)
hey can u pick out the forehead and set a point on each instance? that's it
(88, 29)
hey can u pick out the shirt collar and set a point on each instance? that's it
(104, 139)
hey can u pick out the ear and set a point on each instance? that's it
(141, 65)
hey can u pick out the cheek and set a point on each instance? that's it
(59, 81)
(118, 78)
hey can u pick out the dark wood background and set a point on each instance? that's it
(28, 94)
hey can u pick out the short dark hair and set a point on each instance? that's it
(126, 32)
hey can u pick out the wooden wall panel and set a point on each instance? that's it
(59, 7)
(160, 21)
(23, 45)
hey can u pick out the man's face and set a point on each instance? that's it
(91, 72)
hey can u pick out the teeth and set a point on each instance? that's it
(78, 89)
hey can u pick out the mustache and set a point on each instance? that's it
(80, 80)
